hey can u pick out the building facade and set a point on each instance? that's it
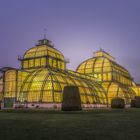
(115, 79)
(43, 75)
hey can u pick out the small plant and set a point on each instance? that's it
(133, 103)
(136, 102)
(117, 102)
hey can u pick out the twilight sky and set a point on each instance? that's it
(76, 27)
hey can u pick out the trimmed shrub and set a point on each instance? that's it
(71, 99)
(136, 102)
(133, 103)
(117, 102)
(137, 97)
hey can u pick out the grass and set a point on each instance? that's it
(99, 124)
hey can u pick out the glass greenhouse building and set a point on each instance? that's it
(115, 79)
(43, 75)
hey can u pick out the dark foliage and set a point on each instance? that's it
(71, 99)
(117, 103)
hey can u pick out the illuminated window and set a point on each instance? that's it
(25, 64)
(37, 62)
(43, 61)
(10, 84)
(31, 63)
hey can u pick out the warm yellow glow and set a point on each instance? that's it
(44, 75)
(114, 78)
(136, 88)
(43, 50)
(104, 54)
(10, 84)
(116, 90)
(47, 86)
(1, 88)
(105, 70)
(43, 56)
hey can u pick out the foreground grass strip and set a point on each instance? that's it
(98, 124)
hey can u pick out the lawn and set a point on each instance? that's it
(99, 124)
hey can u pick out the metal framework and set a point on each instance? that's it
(43, 76)
(115, 79)
(46, 85)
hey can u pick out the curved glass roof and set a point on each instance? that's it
(1, 88)
(43, 55)
(43, 50)
(100, 64)
(114, 89)
(46, 85)
(105, 69)
(43, 76)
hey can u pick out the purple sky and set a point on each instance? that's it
(76, 27)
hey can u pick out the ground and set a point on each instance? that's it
(99, 124)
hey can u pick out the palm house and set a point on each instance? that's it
(115, 79)
(42, 76)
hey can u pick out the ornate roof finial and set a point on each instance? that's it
(100, 46)
(101, 49)
(45, 30)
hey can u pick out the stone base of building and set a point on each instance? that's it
(53, 106)
(50, 106)
(91, 106)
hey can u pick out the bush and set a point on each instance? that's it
(136, 102)
(71, 99)
(117, 103)
(133, 103)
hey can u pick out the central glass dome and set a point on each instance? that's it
(43, 55)
(43, 48)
